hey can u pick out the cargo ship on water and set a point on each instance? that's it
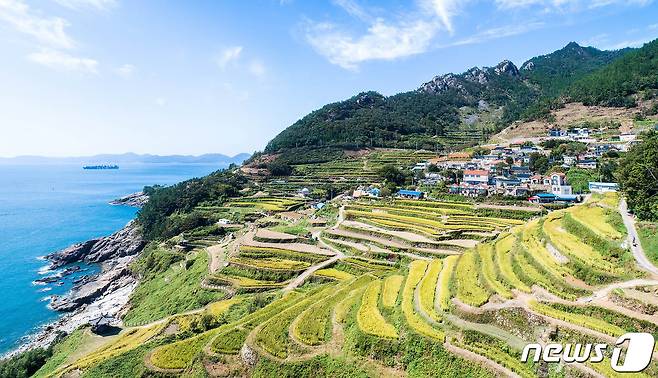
(101, 166)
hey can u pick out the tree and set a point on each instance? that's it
(392, 174)
(638, 177)
(579, 179)
(279, 169)
(538, 163)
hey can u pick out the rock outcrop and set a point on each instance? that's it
(138, 199)
(126, 242)
(114, 275)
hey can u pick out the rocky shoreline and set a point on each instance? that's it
(105, 293)
(138, 199)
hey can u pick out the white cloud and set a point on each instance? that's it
(49, 31)
(160, 101)
(564, 5)
(496, 33)
(126, 70)
(652, 27)
(101, 5)
(228, 56)
(407, 34)
(444, 9)
(63, 61)
(257, 68)
(382, 41)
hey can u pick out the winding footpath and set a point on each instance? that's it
(634, 240)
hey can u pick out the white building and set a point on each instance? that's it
(559, 185)
(603, 187)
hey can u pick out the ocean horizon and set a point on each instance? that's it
(44, 209)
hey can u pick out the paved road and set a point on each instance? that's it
(636, 247)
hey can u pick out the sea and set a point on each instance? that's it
(47, 208)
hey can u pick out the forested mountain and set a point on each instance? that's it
(456, 108)
(554, 72)
(636, 73)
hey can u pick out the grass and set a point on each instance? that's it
(467, 280)
(417, 270)
(648, 233)
(62, 352)
(125, 342)
(368, 317)
(427, 290)
(170, 292)
(300, 228)
(391, 289)
(180, 354)
(442, 301)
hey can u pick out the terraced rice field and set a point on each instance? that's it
(408, 270)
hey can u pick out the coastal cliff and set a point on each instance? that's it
(105, 293)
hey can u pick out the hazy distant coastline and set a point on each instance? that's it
(127, 158)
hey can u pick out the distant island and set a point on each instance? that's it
(126, 159)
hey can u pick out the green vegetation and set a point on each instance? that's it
(169, 209)
(648, 233)
(175, 290)
(638, 173)
(369, 318)
(614, 84)
(25, 364)
(470, 289)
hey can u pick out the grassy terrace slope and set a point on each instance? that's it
(394, 287)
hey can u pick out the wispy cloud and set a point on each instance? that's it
(227, 56)
(63, 61)
(101, 5)
(384, 39)
(49, 35)
(160, 101)
(126, 70)
(257, 68)
(567, 5)
(496, 33)
(49, 31)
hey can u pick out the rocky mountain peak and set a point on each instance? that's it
(442, 83)
(506, 67)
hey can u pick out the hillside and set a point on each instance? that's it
(621, 83)
(450, 110)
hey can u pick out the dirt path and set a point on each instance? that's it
(308, 272)
(634, 240)
(601, 293)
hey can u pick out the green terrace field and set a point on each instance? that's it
(392, 285)
(361, 168)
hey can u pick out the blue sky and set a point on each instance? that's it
(81, 77)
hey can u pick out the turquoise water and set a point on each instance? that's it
(47, 208)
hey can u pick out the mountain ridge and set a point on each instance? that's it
(128, 158)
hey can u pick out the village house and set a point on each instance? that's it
(559, 184)
(476, 176)
(410, 194)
